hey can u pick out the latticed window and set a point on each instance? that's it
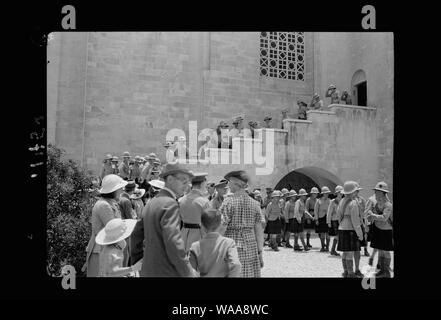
(282, 55)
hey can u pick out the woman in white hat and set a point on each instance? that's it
(320, 212)
(382, 228)
(137, 203)
(332, 219)
(273, 214)
(111, 239)
(104, 210)
(350, 233)
(299, 214)
(289, 216)
(309, 219)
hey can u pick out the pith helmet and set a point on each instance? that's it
(381, 186)
(314, 190)
(111, 183)
(349, 187)
(325, 190)
(302, 192)
(338, 189)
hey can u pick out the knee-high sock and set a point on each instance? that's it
(357, 260)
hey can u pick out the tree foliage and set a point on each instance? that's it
(70, 200)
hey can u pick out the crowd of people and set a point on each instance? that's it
(166, 221)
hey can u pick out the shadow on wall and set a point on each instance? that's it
(308, 177)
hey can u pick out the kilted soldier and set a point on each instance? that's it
(357, 255)
(332, 219)
(243, 220)
(267, 200)
(282, 202)
(382, 229)
(289, 216)
(135, 173)
(107, 167)
(309, 218)
(191, 207)
(273, 215)
(299, 215)
(320, 212)
(115, 165)
(124, 169)
(221, 190)
(370, 204)
(350, 233)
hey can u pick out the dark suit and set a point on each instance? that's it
(164, 252)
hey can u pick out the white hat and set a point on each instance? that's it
(302, 192)
(115, 231)
(159, 184)
(276, 193)
(338, 189)
(137, 194)
(111, 183)
(350, 187)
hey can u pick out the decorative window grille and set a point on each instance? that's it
(282, 55)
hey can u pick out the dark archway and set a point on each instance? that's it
(308, 177)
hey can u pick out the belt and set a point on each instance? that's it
(192, 225)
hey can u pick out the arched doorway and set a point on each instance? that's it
(308, 177)
(359, 88)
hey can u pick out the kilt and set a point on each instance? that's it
(333, 231)
(297, 227)
(348, 241)
(322, 227)
(309, 224)
(274, 227)
(382, 239)
(290, 225)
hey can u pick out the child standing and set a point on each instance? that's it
(111, 257)
(214, 255)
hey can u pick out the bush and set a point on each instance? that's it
(69, 208)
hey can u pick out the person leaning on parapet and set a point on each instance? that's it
(221, 137)
(284, 116)
(164, 253)
(303, 107)
(316, 102)
(333, 93)
(346, 97)
(267, 121)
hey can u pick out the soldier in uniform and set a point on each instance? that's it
(309, 219)
(333, 93)
(320, 213)
(381, 218)
(234, 132)
(289, 216)
(124, 169)
(221, 190)
(107, 167)
(135, 172)
(115, 165)
(191, 206)
(299, 215)
(273, 215)
(282, 202)
(332, 219)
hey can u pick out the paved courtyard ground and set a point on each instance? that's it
(288, 263)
